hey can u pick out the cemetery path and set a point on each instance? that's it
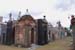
(63, 44)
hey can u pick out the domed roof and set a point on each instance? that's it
(24, 17)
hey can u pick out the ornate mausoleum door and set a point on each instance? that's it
(27, 35)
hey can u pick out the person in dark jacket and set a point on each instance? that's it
(72, 21)
(73, 30)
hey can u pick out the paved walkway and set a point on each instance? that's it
(63, 44)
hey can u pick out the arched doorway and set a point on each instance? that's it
(32, 35)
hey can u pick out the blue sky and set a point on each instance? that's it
(54, 10)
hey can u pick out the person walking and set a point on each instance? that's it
(72, 26)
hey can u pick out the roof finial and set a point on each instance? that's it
(10, 18)
(19, 14)
(26, 10)
(59, 23)
(44, 16)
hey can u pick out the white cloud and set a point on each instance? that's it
(55, 10)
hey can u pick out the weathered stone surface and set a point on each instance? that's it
(23, 31)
